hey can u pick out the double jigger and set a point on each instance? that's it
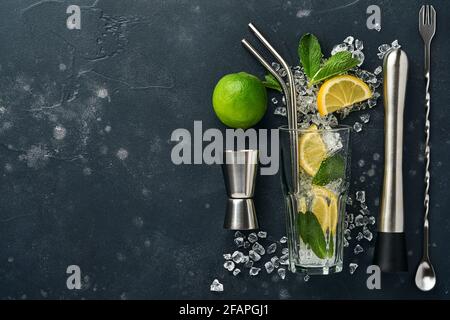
(239, 171)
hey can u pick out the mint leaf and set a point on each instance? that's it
(310, 54)
(339, 63)
(330, 169)
(312, 234)
(272, 83)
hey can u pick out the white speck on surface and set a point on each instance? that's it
(122, 154)
(108, 129)
(102, 93)
(87, 171)
(147, 243)
(59, 132)
(11, 259)
(36, 157)
(120, 256)
(138, 222)
(303, 13)
(207, 205)
(62, 67)
(8, 167)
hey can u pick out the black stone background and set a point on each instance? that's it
(142, 227)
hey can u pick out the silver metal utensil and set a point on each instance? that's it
(239, 171)
(390, 249)
(425, 275)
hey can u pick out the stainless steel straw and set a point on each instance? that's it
(288, 90)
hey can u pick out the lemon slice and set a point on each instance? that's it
(312, 151)
(332, 204)
(340, 92)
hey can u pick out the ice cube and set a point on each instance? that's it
(377, 27)
(247, 244)
(333, 141)
(371, 103)
(346, 244)
(347, 234)
(274, 100)
(359, 220)
(378, 70)
(249, 264)
(229, 265)
(262, 234)
(227, 256)
(276, 66)
(349, 201)
(237, 256)
(259, 249)
(269, 267)
(216, 286)
(245, 259)
(361, 163)
(361, 196)
(349, 40)
(372, 220)
(280, 111)
(357, 127)
(359, 45)
(306, 278)
(239, 234)
(282, 72)
(254, 255)
(283, 239)
(376, 156)
(339, 48)
(351, 226)
(239, 241)
(254, 271)
(236, 272)
(360, 236)
(352, 267)
(282, 273)
(284, 259)
(395, 44)
(252, 237)
(371, 172)
(350, 218)
(365, 117)
(285, 251)
(384, 48)
(276, 261)
(272, 248)
(358, 249)
(358, 55)
(367, 234)
(362, 179)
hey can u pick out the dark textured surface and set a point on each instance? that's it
(107, 197)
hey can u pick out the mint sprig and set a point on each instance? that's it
(310, 54)
(272, 83)
(339, 63)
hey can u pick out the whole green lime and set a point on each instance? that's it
(240, 100)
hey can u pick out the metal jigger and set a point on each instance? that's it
(239, 171)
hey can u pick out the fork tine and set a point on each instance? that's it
(433, 16)
(427, 15)
(422, 15)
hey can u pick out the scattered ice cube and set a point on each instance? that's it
(364, 212)
(350, 218)
(262, 234)
(371, 172)
(358, 249)
(357, 126)
(269, 267)
(245, 259)
(239, 241)
(247, 244)
(283, 239)
(349, 40)
(274, 100)
(237, 256)
(236, 272)
(359, 220)
(372, 220)
(339, 48)
(249, 264)
(367, 234)
(282, 72)
(272, 248)
(377, 27)
(252, 237)
(365, 117)
(352, 267)
(239, 234)
(360, 236)
(380, 55)
(361, 196)
(359, 45)
(254, 255)
(306, 278)
(284, 259)
(285, 251)
(371, 103)
(349, 201)
(358, 55)
(376, 156)
(361, 163)
(395, 44)
(363, 205)
(259, 249)
(229, 265)
(376, 95)
(384, 48)
(282, 273)
(378, 70)
(280, 111)
(216, 286)
(227, 256)
(276, 66)
(362, 179)
(276, 261)
(254, 271)
(348, 234)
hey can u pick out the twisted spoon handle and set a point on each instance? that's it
(427, 148)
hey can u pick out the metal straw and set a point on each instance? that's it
(289, 93)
